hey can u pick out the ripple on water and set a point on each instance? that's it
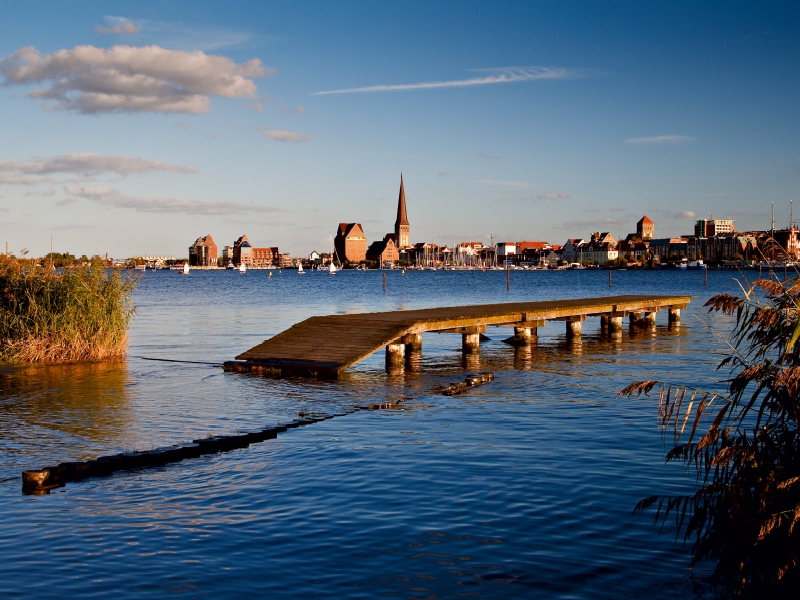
(520, 488)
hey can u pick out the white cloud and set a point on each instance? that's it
(662, 139)
(551, 196)
(91, 163)
(117, 25)
(131, 79)
(502, 75)
(442, 173)
(111, 197)
(501, 182)
(286, 136)
(686, 214)
(616, 209)
(17, 179)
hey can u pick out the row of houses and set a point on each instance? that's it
(203, 253)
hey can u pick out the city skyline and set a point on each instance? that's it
(132, 128)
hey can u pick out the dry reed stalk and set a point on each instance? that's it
(745, 512)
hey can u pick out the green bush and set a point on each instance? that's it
(51, 315)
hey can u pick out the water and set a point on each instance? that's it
(521, 488)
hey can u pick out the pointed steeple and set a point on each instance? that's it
(402, 217)
(402, 230)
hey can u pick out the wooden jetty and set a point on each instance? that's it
(325, 346)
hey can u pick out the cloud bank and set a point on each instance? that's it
(88, 163)
(286, 136)
(662, 139)
(551, 196)
(502, 75)
(131, 79)
(111, 197)
(18, 179)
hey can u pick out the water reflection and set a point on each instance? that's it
(82, 400)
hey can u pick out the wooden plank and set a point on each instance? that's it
(333, 343)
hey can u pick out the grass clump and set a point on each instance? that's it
(73, 314)
(744, 446)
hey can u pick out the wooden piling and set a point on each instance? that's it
(471, 343)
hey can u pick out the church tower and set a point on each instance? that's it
(401, 227)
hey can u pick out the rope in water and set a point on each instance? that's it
(191, 362)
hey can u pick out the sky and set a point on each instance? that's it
(132, 128)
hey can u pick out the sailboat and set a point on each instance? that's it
(242, 268)
(185, 269)
(331, 266)
(300, 270)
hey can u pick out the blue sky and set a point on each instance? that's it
(135, 127)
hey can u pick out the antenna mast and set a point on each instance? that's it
(773, 219)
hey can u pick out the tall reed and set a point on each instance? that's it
(743, 446)
(67, 315)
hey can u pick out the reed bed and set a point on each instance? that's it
(74, 314)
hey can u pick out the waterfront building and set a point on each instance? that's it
(383, 251)
(203, 253)
(505, 252)
(573, 249)
(226, 257)
(789, 240)
(599, 253)
(666, 248)
(705, 228)
(314, 257)
(645, 229)
(245, 253)
(634, 249)
(350, 243)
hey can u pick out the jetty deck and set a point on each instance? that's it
(325, 346)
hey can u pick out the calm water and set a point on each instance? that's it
(521, 488)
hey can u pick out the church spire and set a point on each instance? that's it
(402, 217)
(402, 230)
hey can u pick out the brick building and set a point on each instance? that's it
(384, 251)
(245, 253)
(203, 253)
(645, 229)
(350, 242)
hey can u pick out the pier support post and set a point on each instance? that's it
(674, 316)
(413, 341)
(604, 319)
(524, 336)
(634, 317)
(614, 324)
(649, 319)
(395, 355)
(573, 329)
(471, 343)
